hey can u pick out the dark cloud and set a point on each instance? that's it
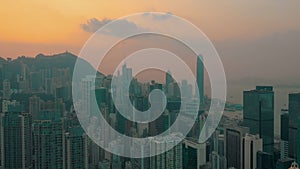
(120, 27)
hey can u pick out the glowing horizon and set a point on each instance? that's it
(49, 27)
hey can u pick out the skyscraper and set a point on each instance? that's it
(194, 154)
(76, 148)
(35, 82)
(218, 161)
(298, 139)
(169, 79)
(143, 146)
(48, 141)
(16, 140)
(294, 114)
(251, 145)
(87, 87)
(233, 145)
(259, 114)
(284, 134)
(200, 78)
(265, 160)
(284, 163)
(171, 159)
(34, 106)
(6, 89)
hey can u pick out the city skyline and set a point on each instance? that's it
(252, 32)
(47, 90)
(154, 84)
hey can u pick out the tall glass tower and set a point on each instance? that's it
(259, 114)
(200, 78)
(294, 114)
(233, 137)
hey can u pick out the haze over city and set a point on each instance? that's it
(264, 35)
(61, 109)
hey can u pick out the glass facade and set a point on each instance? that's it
(259, 114)
(233, 145)
(294, 114)
(200, 78)
(265, 160)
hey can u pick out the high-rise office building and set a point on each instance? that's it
(76, 148)
(45, 75)
(194, 154)
(218, 141)
(284, 163)
(62, 92)
(125, 82)
(34, 106)
(101, 100)
(101, 95)
(1, 141)
(233, 137)
(173, 90)
(96, 154)
(218, 161)
(87, 87)
(186, 89)
(200, 78)
(298, 139)
(171, 159)
(35, 82)
(259, 114)
(140, 163)
(126, 73)
(169, 79)
(251, 145)
(16, 140)
(284, 134)
(143, 148)
(2, 74)
(294, 114)
(6, 89)
(48, 141)
(265, 160)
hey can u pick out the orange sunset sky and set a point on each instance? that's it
(29, 27)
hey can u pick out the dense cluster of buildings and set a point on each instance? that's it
(39, 127)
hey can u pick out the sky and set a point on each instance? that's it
(258, 40)
(255, 39)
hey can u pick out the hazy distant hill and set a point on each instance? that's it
(41, 61)
(11, 68)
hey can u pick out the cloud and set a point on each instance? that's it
(92, 25)
(158, 16)
(120, 27)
